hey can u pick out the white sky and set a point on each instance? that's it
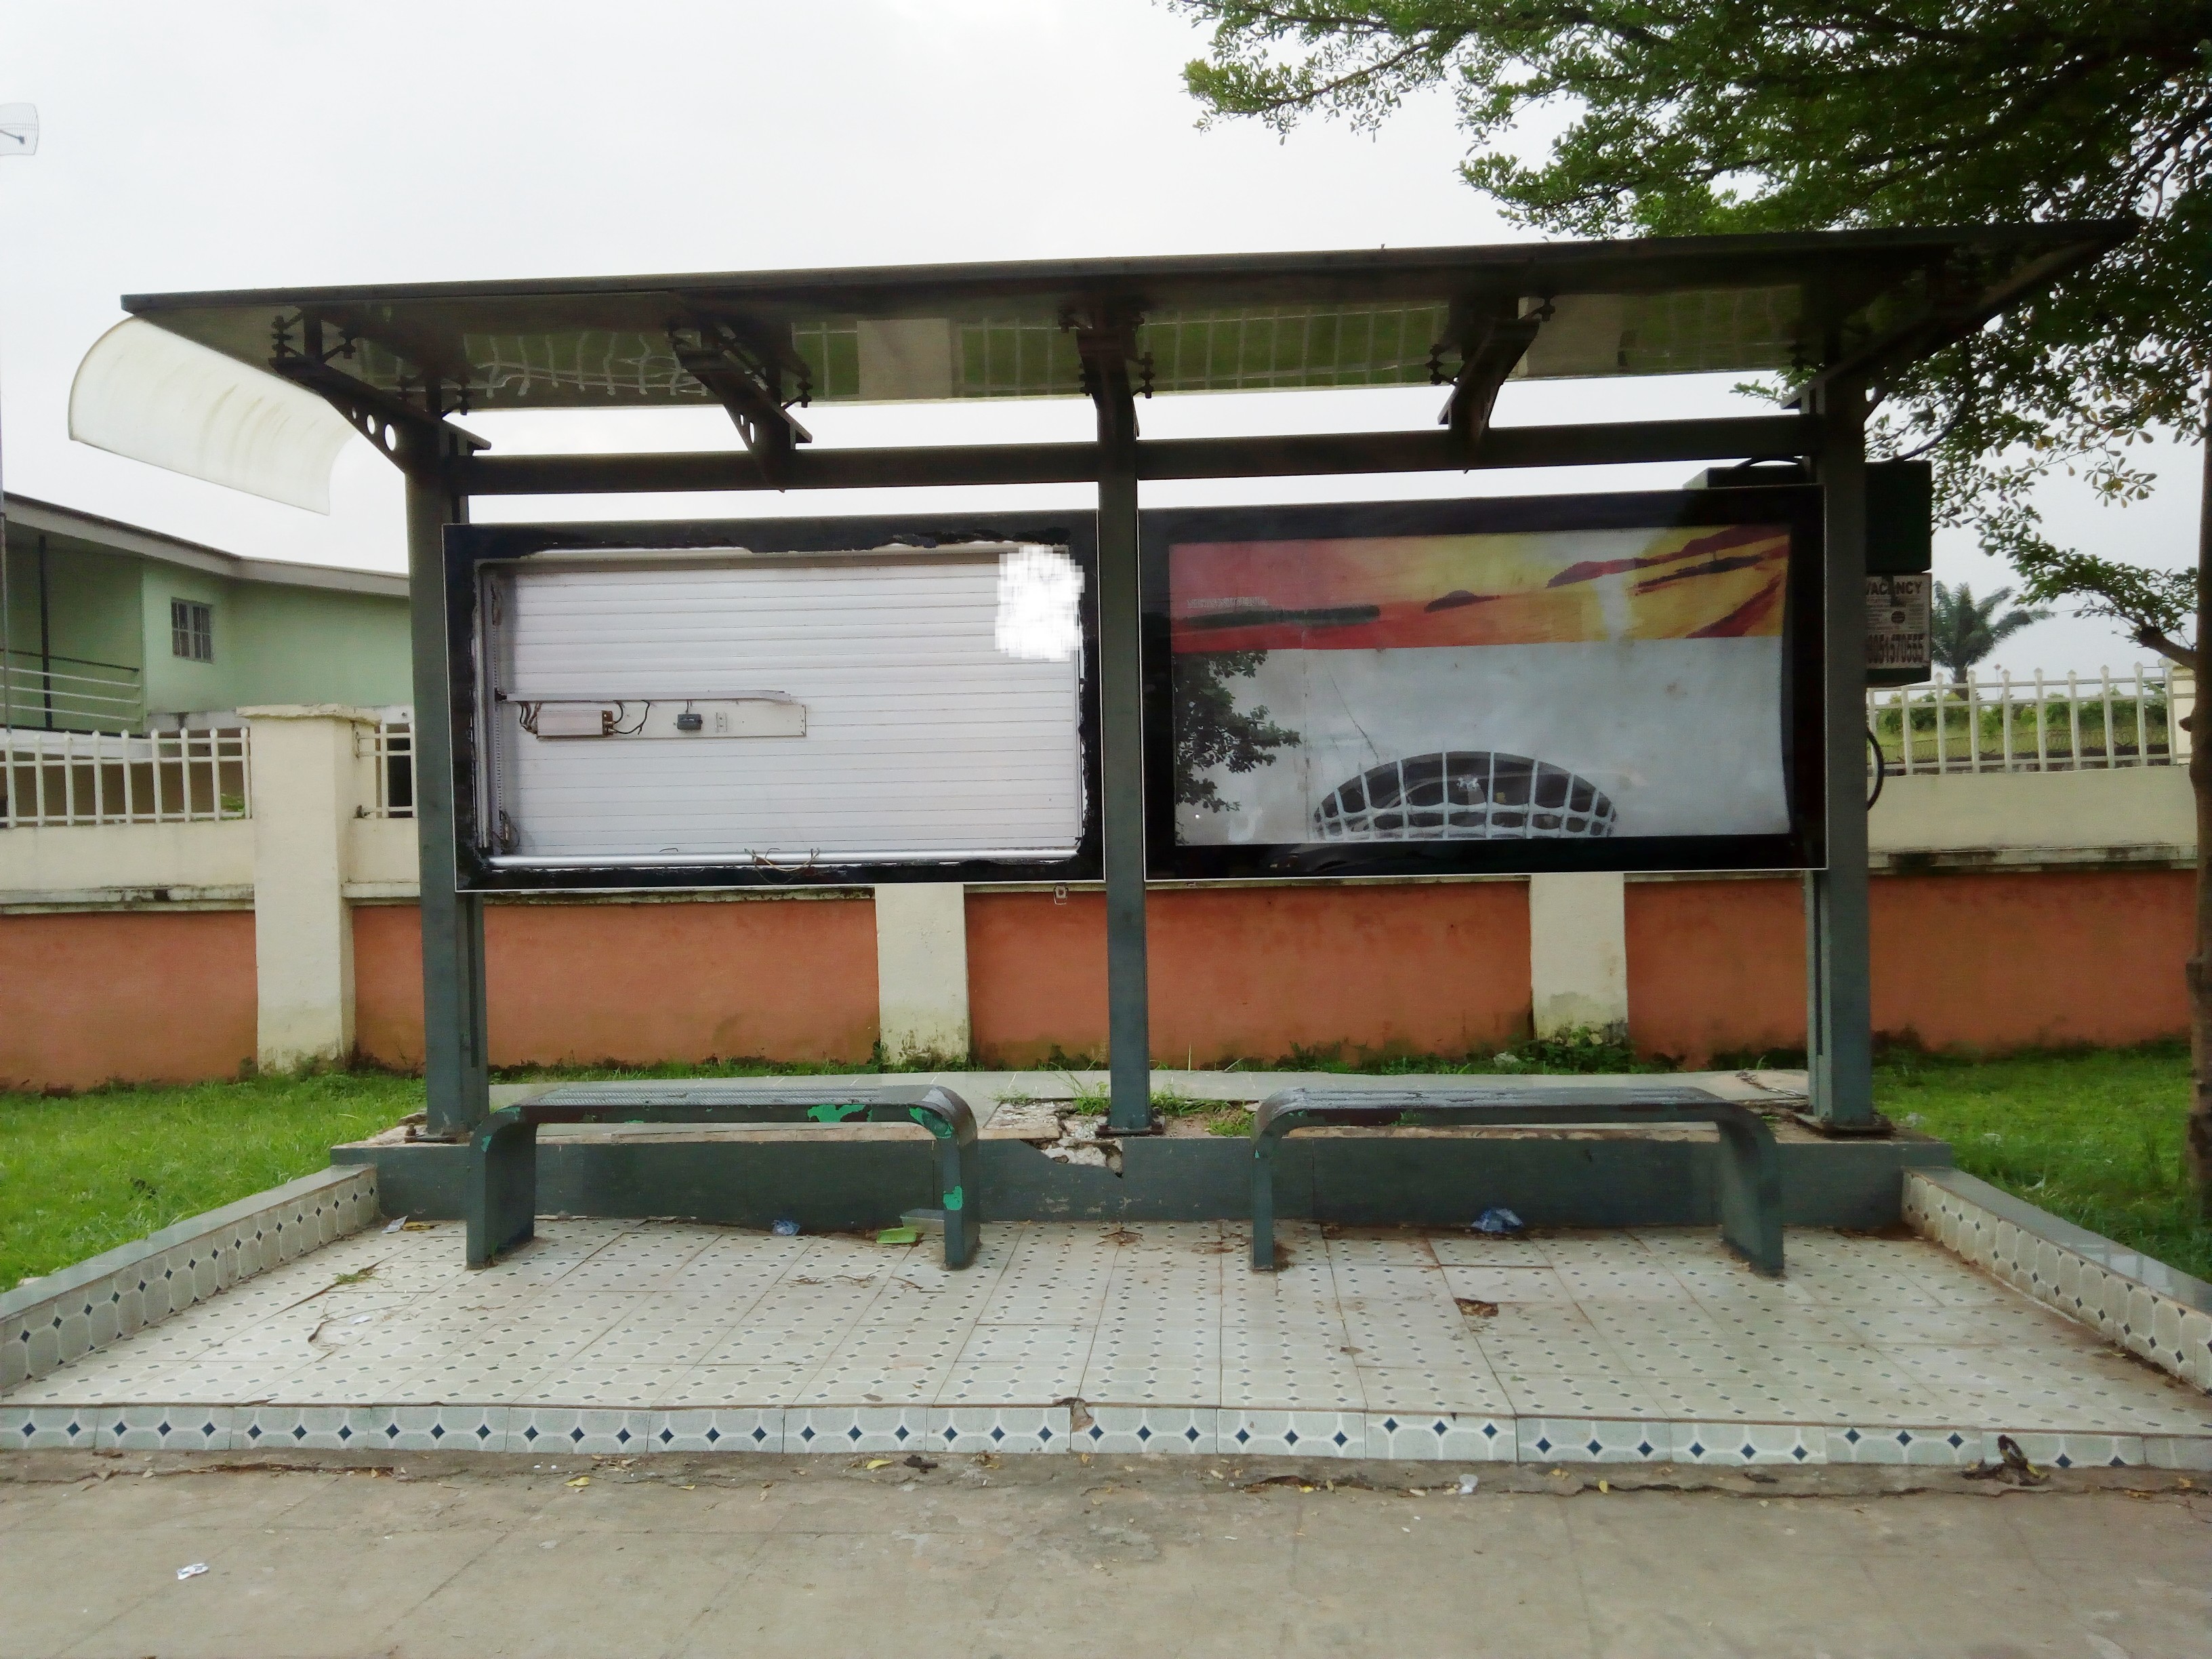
(260, 143)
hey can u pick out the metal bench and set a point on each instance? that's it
(1750, 1164)
(502, 1194)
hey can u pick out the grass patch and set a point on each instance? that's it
(84, 1173)
(1581, 1051)
(2094, 1137)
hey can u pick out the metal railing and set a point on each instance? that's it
(51, 779)
(391, 747)
(69, 693)
(2046, 724)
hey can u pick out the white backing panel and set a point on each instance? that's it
(922, 738)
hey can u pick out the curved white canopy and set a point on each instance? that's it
(156, 397)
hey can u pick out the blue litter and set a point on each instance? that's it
(784, 1227)
(1499, 1222)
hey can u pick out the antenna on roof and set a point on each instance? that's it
(19, 129)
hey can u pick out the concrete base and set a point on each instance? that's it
(1593, 1178)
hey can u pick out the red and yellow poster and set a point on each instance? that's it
(1540, 684)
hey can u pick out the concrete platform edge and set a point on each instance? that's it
(65, 1314)
(2134, 1301)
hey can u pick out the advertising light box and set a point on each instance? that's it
(773, 705)
(1606, 682)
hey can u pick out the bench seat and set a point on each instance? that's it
(502, 1192)
(1750, 1163)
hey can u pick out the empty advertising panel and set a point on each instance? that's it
(684, 715)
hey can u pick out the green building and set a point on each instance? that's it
(110, 628)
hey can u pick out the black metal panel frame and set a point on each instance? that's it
(1802, 848)
(468, 548)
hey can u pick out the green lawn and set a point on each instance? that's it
(2094, 1137)
(82, 1174)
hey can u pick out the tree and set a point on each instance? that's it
(1964, 629)
(1210, 730)
(1680, 117)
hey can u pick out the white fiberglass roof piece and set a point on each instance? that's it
(156, 397)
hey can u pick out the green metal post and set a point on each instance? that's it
(1121, 708)
(1839, 1013)
(454, 1046)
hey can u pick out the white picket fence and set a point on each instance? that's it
(391, 745)
(54, 779)
(2045, 724)
(2075, 723)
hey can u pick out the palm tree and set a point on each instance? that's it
(1963, 629)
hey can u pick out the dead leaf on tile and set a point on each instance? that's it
(1475, 1307)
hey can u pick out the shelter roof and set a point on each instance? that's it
(1245, 322)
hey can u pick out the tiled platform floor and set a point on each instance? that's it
(608, 1335)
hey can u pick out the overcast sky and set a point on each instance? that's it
(240, 144)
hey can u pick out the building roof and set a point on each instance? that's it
(1276, 321)
(89, 530)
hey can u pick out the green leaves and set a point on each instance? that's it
(1963, 629)
(1210, 730)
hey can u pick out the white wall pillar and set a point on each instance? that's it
(307, 785)
(1578, 952)
(921, 971)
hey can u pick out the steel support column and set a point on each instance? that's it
(454, 1046)
(1121, 719)
(1839, 1006)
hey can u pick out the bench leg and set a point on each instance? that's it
(502, 1197)
(1751, 1193)
(1263, 1204)
(963, 1229)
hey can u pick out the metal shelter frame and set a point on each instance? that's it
(1856, 307)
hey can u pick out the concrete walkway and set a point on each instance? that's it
(810, 1557)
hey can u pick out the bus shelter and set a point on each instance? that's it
(1838, 315)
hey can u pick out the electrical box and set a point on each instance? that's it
(1900, 550)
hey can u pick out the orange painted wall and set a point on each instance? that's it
(1253, 973)
(1970, 960)
(1988, 962)
(1993, 961)
(1716, 966)
(90, 997)
(789, 980)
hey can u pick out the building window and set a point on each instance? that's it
(192, 630)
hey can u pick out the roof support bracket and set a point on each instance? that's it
(379, 416)
(747, 377)
(1106, 341)
(1492, 337)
